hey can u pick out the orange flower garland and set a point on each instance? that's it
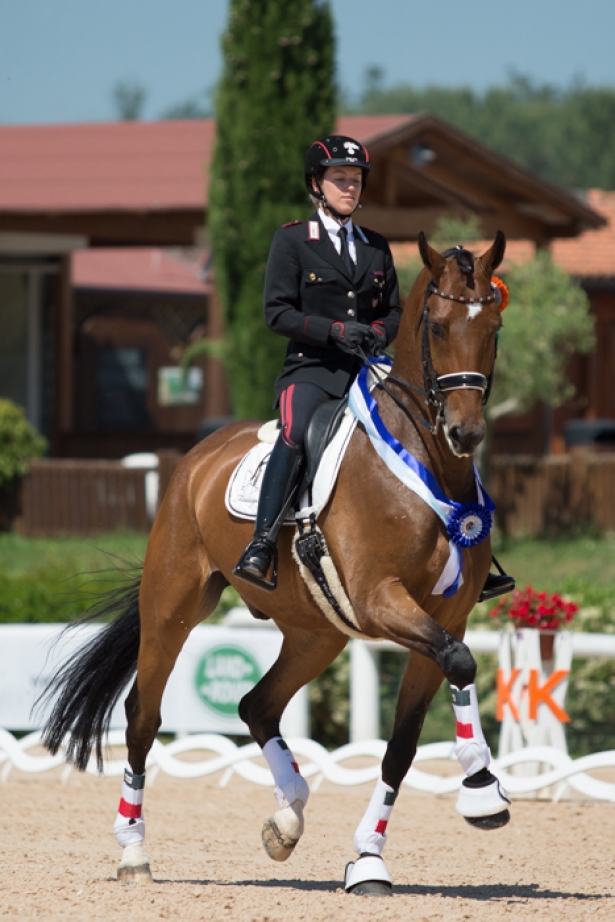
(503, 290)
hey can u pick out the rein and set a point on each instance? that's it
(435, 385)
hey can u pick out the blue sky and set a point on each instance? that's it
(60, 59)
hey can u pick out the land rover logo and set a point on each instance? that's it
(223, 676)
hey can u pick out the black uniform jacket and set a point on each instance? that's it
(307, 288)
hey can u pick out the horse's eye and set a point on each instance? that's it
(436, 329)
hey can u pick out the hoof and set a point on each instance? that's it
(489, 822)
(368, 876)
(371, 888)
(484, 807)
(134, 867)
(282, 831)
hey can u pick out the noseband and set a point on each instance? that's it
(438, 385)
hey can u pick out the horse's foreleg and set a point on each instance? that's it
(304, 655)
(482, 801)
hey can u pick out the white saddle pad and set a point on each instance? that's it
(245, 482)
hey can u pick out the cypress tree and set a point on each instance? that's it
(276, 95)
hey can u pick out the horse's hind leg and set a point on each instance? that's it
(177, 591)
(304, 655)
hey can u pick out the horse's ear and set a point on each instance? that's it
(495, 254)
(431, 258)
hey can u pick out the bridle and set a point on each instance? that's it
(436, 386)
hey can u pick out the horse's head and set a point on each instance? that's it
(458, 326)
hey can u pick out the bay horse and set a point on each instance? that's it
(389, 548)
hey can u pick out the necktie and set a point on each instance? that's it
(345, 252)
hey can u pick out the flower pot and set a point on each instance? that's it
(547, 645)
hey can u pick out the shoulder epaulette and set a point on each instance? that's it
(370, 231)
(292, 223)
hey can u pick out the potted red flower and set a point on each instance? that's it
(527, 608)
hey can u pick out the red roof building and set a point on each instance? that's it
(130, 200)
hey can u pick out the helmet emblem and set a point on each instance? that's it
(351, 147)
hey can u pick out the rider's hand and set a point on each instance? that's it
(349, 336)
(377, 339)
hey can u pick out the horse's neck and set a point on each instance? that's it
(454, 475)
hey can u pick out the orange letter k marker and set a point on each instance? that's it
(541, 694)
(505, 696)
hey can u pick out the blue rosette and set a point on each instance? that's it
(469, 524)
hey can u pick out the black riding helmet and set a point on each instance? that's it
(334, 150)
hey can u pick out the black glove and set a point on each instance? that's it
(376, 340)
(349, 336)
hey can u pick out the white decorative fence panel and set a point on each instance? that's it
(321, 765)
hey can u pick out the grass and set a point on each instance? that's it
(30, 556)
(55, 579)
(551, 563)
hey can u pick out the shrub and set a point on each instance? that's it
(19, 442)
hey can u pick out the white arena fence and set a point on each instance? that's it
(320, 765)
(218, 664)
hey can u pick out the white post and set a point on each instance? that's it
(296, 718)
(364, 692)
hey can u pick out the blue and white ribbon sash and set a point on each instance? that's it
(466, 523)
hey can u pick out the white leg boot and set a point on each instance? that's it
(129, 829)
(482, 800)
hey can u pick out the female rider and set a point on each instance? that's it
(330, 287)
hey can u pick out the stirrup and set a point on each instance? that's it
(263, 583)
(496, 585)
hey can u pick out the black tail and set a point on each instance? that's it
(89, 684)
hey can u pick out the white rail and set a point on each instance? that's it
(322, 765)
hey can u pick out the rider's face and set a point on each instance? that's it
(341, 186)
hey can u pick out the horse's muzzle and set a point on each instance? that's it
(464, 438)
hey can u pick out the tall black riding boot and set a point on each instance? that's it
(279, 480)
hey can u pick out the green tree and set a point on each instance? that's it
(195, 106)
(566, 135)
(129, 97)
(548, 320)
(276, 95)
